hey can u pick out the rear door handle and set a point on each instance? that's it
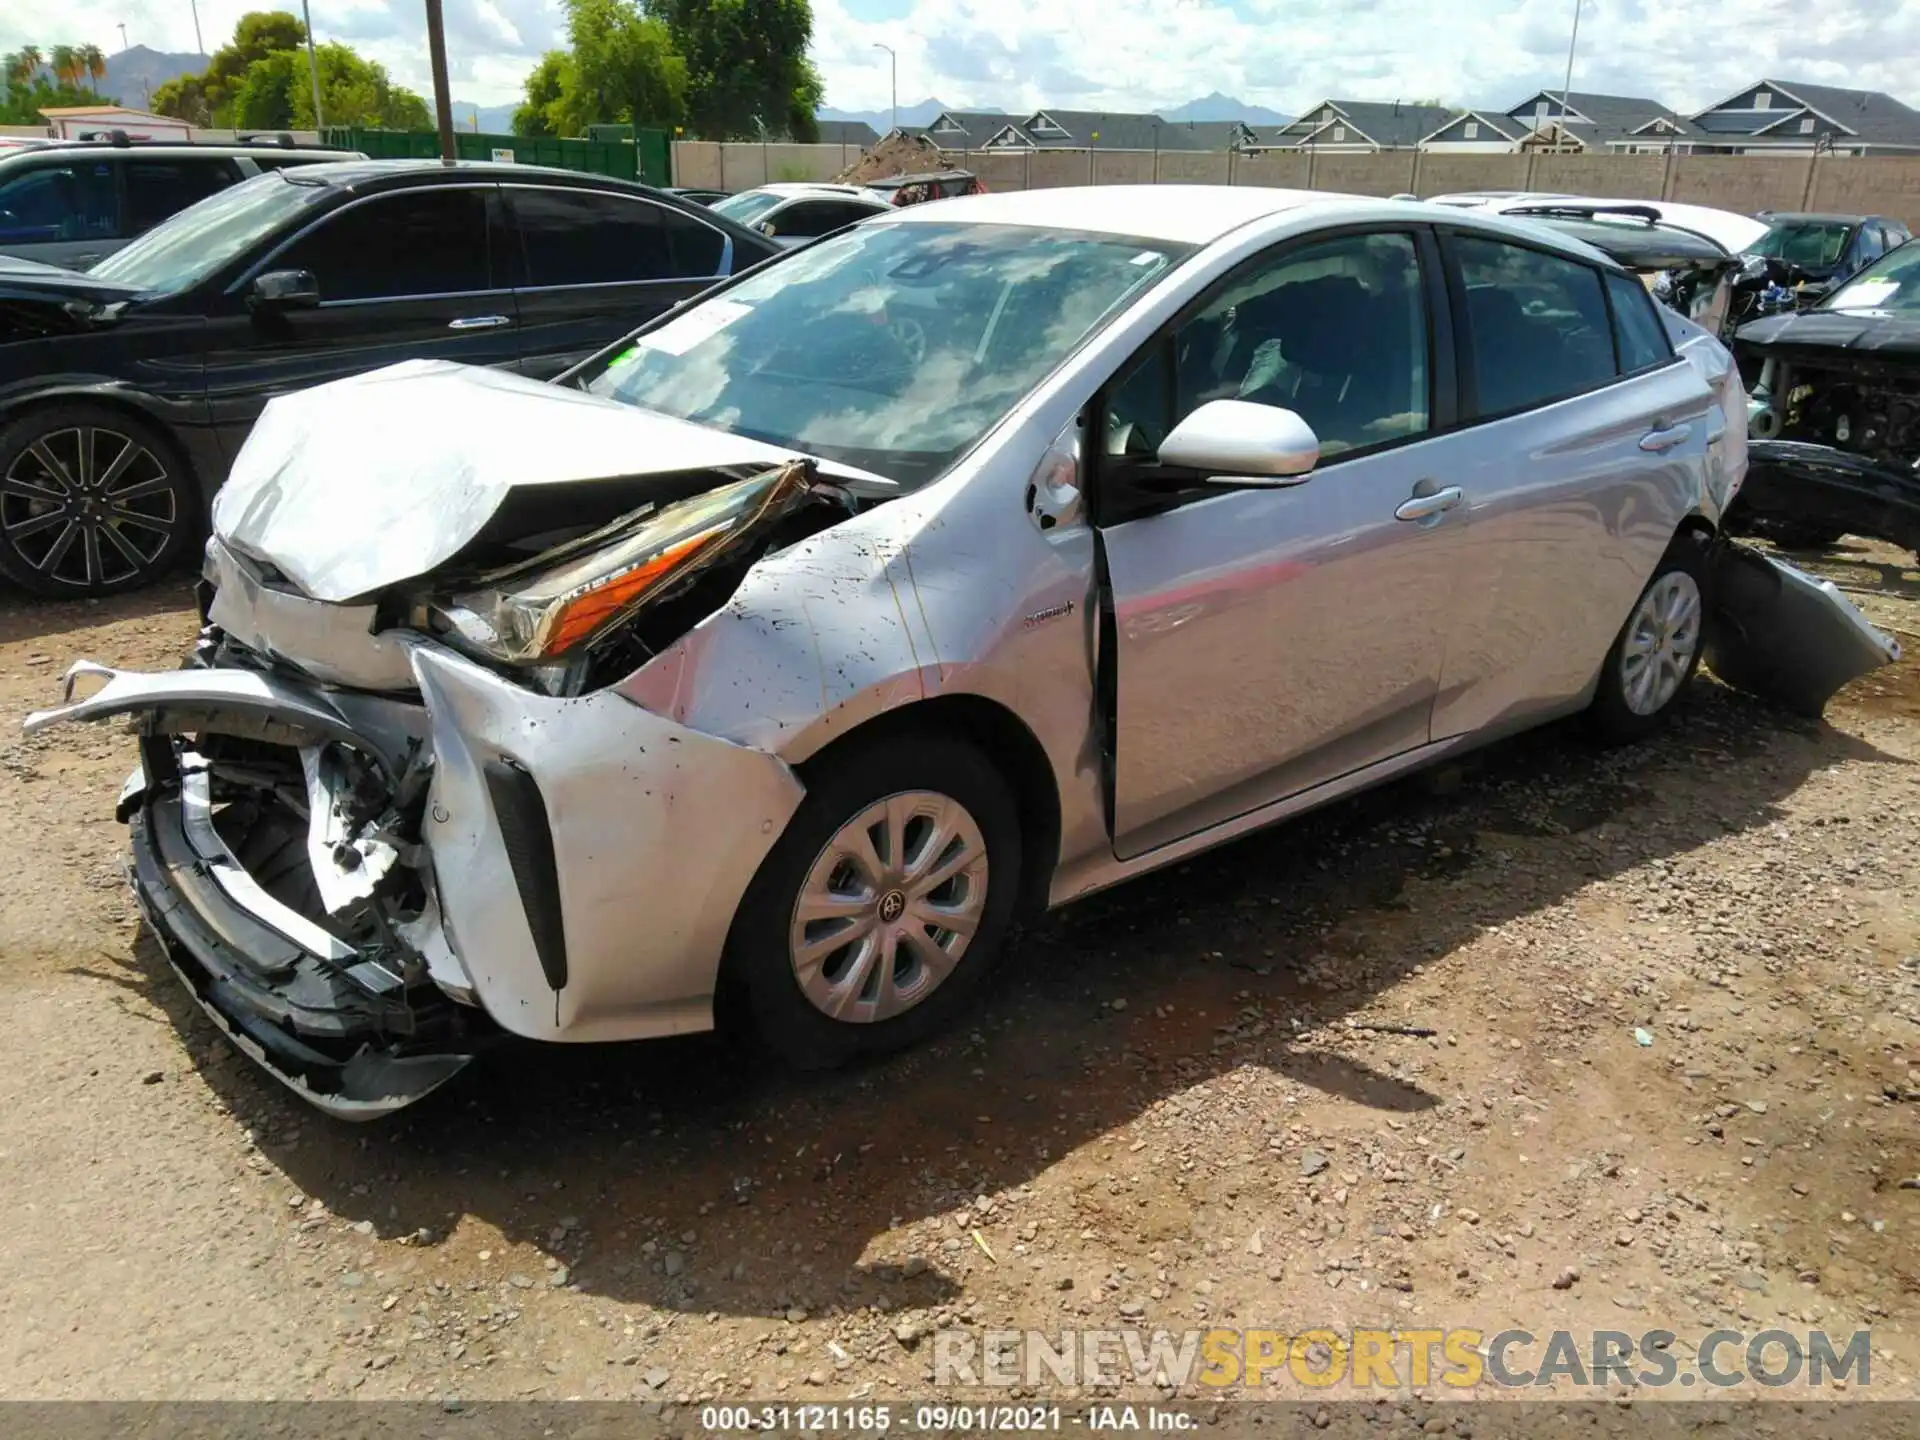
(1666, 439)
(478, 322)
(1425, 507)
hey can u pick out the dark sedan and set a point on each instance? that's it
(126, 392)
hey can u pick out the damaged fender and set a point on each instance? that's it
(589, 855)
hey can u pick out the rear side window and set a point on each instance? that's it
(589, 237)
(1537, 325)
(159, 188)
(422, 242)
(1636, 328)
(697, 248)
(48, 204)
(811, 219)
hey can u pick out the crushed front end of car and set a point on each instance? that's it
(1835, 426)
(393, 807)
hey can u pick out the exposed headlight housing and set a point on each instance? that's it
(547, 612)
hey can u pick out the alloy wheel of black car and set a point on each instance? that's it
(91, 503)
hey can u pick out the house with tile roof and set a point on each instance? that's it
(1098, 130)
(1787, 117)
(1356, 127)
(848, 132)
(957, 129)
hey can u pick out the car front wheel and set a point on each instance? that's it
(92, 502)
(1658, 650)
(876, 916)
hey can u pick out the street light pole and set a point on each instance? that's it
(1566, 90)
(893, 64)
(437, 57)
(313, 69)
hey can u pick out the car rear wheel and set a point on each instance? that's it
(92, 502)
(876, 916)
(1657, 651)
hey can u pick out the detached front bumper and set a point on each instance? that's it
(562, 869)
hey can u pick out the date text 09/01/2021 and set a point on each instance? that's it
(933, 1419)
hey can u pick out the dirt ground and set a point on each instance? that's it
(1170, 1113)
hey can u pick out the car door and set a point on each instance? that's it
(401, 275)
(60, 208)
(1266, 641)
(1584, 436)
(596, 263)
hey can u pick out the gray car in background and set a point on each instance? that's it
(772, 664)
(71, 202)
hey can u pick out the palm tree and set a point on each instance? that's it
(24, 65)
(66, 71)
(93, 61)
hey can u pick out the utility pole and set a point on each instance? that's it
(893, 64)
(198, 44)
(1566, 90)
(313, 69)
(437, 56)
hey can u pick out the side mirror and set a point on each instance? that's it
(284, 290)
(1239, 443)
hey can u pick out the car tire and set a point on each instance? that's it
(93, 501)
(924, 804)
(1657, 652)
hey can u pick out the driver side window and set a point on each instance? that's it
(1335, 331)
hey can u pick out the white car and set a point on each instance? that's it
(1737, 233)
(794, 214)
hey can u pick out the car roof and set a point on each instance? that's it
(812, 187)
(147, 149)
(349, 173)
(1192, 214)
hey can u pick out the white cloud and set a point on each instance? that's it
(1142, 54)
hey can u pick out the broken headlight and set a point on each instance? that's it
(546, 612)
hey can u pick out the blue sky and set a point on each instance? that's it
(1144, 54)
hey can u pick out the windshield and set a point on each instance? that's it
(187, 247)
(892, 347)
(747, 206)
(1891, 283)
(1814, 244)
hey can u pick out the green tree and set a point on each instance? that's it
(24, 64)
(747, 67)
(28, 93)
(208, 98)
(276, 93)
(534, 116)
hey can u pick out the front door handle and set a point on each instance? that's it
(1425, 507)
(478, 322)
(1665, 439)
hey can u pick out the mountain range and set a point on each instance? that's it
(136, 72)
(1208, 107)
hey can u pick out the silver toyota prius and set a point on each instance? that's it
(774, 663)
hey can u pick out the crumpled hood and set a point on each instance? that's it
(362, 483)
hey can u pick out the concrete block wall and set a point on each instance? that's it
(1743, 183)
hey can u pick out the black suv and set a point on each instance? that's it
(73, 202)
(126, 391)
(1819, 251)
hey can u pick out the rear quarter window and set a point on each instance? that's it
(1636, 328)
